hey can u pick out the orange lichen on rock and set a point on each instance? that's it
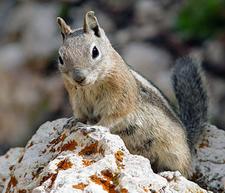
(53, 177)
(124, 190)
(70, 146)
(205, 143)
(87, 162)
(12, 183)
(107, 185)
(80, 186)
(45, 178)
(145, 189)
(58, 139)
(119, 156)
(107, 174)
(90, 149)
(31, 144)
(119, 159)
(85, 133)
(64, 164)
(22, 191)
(101, 150)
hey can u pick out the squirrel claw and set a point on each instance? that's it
(85, 128)
(170, 176)
(71, 122)
(80, 125)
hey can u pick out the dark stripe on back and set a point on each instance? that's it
(173, 107)
(149, 96)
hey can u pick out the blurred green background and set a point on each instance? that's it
(149, 34)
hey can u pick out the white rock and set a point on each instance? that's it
(7, 162)
(88, 159)
(209, 162)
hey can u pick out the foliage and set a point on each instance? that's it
(201, 19)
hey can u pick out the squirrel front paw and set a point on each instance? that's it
(71, 122)
(81, 125)
(74, 124)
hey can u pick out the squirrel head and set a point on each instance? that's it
(84, 54)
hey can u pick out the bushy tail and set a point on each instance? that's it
(191, 96)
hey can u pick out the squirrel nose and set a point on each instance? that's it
(79, 75)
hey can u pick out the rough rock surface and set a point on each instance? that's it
(88, 159)
(209, 162)
(6, 163)
(31, 91)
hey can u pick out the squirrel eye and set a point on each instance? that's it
(95, 52)
(61, 60)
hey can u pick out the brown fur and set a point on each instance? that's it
(120, 99)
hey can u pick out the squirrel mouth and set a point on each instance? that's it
(82, 84)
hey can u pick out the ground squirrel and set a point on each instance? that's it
(105, 91)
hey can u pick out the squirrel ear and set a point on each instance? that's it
(91, 23)
(65, 29)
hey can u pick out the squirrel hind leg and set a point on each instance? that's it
(172, 163)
